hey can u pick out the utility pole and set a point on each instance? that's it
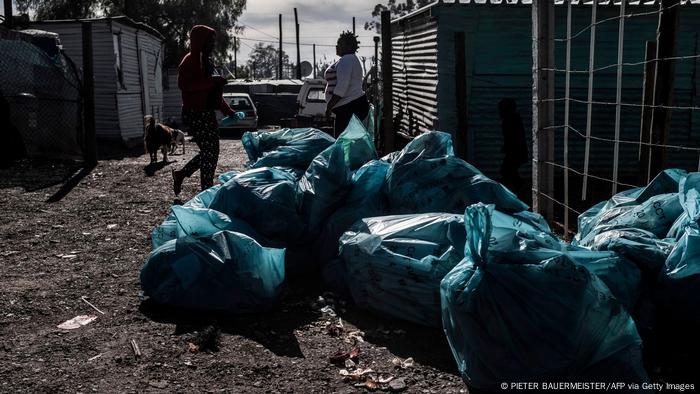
(235, 57)
(279, 65)
(8, 13)
(353, 25)
(314, 61)
(296, 23)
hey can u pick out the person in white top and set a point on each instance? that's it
(344, 94)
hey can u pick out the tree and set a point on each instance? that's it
(396, 9)
(172, 18)
(264, 59)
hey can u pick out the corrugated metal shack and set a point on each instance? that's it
(498, 52)
(127, 59)
(40, 98)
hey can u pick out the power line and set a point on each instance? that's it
(259, 31)
(294, 43)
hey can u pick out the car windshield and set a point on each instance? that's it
(239, 103)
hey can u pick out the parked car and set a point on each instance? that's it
(311, 106)
(241, 102)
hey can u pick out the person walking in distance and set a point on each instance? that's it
(514, 144)
(202, 92)
(344, 94)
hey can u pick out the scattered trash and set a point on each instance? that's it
(403, 364)
(93, 306)
(135, 348)
(95, 357)
(67, 256)
(349, 364)
(192, 347)
(369, 384)
(384, 379)
(77, 322)
(340, 356)
(357, 374)
(335, 329)
(327, 309)
(9, 253)
(356, 336)
(189, 364)
(111, 226)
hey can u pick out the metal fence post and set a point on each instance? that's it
(461, 96)
(387, 75)
(90, 148)
(542, 106)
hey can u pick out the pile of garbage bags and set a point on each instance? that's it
(521, 308)
(422, 235)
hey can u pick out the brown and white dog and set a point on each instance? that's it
(178, 138)
(156, 136)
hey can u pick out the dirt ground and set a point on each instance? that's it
(69, 237)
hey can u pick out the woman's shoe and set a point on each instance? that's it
(177, 182)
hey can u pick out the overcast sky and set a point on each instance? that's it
(320, 22)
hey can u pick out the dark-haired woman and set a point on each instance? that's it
(201, 95)
(344, 93)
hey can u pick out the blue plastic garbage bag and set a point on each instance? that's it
(294, 148)
(364, 200)
(265, 199)
(640, 246)
(328, 179)
(656, 215)
(678, 286)
(510, 316)
(226, 176)
(620, 275)
(394, 264)
(431, 145)
(226, 271)
(202, 222)
(427, 177)
(653, 208)
(168, 230)
(689, 197)
(529, 231)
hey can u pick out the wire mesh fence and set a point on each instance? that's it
(41, 90)
(617, 99)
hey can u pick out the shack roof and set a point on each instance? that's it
(529, 2)
(120, 19)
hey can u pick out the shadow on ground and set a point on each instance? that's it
(33, 175)
(152, 168)
(427, 346)
(274, 330)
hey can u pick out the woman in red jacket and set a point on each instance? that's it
(201, 95)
